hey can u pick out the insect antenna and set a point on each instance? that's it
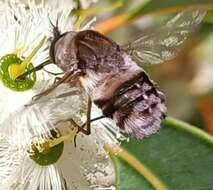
(56, 36)
(56, 31)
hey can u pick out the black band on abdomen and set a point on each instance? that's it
(109, 106)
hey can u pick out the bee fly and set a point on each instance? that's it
(111, 74)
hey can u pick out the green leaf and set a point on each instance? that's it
(178, 158)
(168, 6)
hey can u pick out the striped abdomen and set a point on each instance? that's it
(113, 81)
(137, 106)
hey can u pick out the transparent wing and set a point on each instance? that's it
(163, 44)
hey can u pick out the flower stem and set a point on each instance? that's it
(137, 165)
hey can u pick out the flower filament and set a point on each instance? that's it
(50, 151)
(15, 70)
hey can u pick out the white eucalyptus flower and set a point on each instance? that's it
(25, 129)
(9, 159)
(21, 31)
(22, 27)
(76, 165)
(64, 3)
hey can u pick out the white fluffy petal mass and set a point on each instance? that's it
(37, 148)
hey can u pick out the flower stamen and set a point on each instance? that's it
(51, 150)
(68, 137)
(15, 70)
(18, 49)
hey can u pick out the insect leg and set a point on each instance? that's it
(86, 131)
(67, 76)
(56, 79)
(92, 120)
(75, 125)
(55, 74)
(88, 122)
(81, 129)
(71, 93)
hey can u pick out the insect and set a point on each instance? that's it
(112, 76)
